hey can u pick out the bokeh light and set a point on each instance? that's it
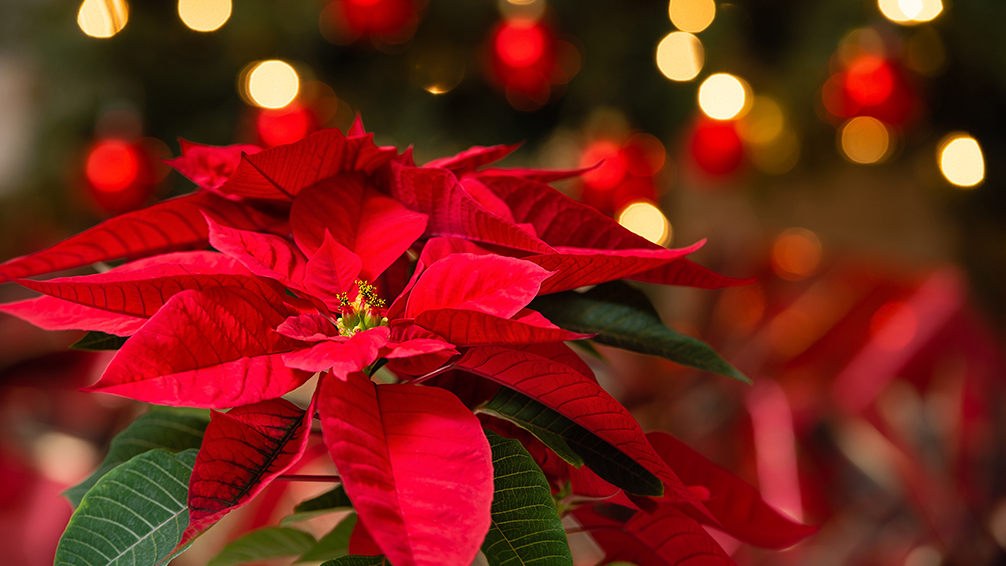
(869, 80)
(520, 43)
(102, 18)
(643, 155)
(272, 84)
(716, 147)
(893, 326)
(112, 166)
(910, 12)
(723, 97)
(778, 155)
(961, 160)
(611, 169)
(204, 15)
(763, 123)
(692, 15)
(796, 254)
(680, 56)
(646, 220)
(284, 125)
(437, 69)
(522, 9)
(864, 140)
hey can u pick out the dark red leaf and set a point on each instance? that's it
(472, 158)
(687, 273)
(263, 254)
(577, 267)
(540, 175)
(209, 166)
(361, 543)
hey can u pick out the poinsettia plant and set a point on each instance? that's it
(435, 304)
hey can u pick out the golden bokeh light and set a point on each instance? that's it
(691, 15)
(910, 12)
(646, 220)
(102, 18)
(204, 15)
(796, 254)
(271, 84)
(864, 140)
(724, 97)
(777, 156)
(961, 160)
(763, 123)
(860, 42)
(528, 10)
(436, 68)
(680, 56)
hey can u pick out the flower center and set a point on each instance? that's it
(363, 313)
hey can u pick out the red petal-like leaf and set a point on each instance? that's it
(377, 228)
(416, 465)
(558, 352)
(213, 348)
(50, 313)
(361, 543)
(342, 356)
(308, 327)
(331, 271)
(472, 158)
(171, 225)
(738, 506)
(263, 254)
(540, 175)
(486, 198)
(664, 538)
(243, 450)
(210, 166)
(356, 129)
(279, 173)
(578, 398)
(687, 273)
(492, 284)
(453, 212)
(473, 328)
(577, 267)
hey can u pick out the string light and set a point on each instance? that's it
(102, 18)
(204, 15)
(271, 84)
(723, 97)
(691, 15)
(961, 160)
(680, 56)
(646, 220)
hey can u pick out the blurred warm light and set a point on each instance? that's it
(646, 220)
(869, 80)
(796, 254)
(763, 123)
(859, 42)
(740, 309)
(723, 97)
(692, 15)
(716, 146)
(961, 160)
(272, 84)
(997, 523)
(893, 326)
(910, 12)
(925, 52)
(924, 556)
(112, 166)
(522, 9)
(204, 15)
(611, 169)
(64, 459)
(102, 18)
(643, 155)
(436, 68)
(520, 43)
(680, 56)
(777, 156)
(864, 140)
(284, 125)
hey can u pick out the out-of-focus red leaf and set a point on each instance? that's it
(171, 225)
(280, 172)
(665, 538)
(361, 543)
(377, 228)
(209, 166)
(342, 356)
(738, 506)
(687, 273)
(213, 348)
(577, 267)
(243, 450)
(356, 129)
(415, 463)
(453, 212)
(578, 398)
(472, 328)
(263, 254)
(472, 158)
(540, 175)
(492, 284)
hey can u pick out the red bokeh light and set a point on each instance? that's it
(520, 44)
(610, 172)
(112, 166)
(716, 147)
(285, 125)
(644, 155)
(393, 20)
(869, 80)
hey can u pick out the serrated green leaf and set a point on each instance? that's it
(134, 515)
(608, 462)
(96, 341)
(355, 560)
(622, 316)
(171, 429)
(328, 502)
(525, 528)
(270, 542)
(333, 545)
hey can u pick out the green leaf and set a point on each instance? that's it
(134, 515)
(525, 528)
(623, 316)
(355, 560)
(563, 435)
(333, 545)
(328, 502)
(96, 340)
(171, 429)
(270, 542)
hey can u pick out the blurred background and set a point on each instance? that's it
(847, 153)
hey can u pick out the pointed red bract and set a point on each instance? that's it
(416, 465)
(243, 450)
(665, 538)
(486, 198)
(171, 225)
(341, 356)
(739, 507)
(453, 212)
(472, 328)
(308, 327)
(578, 267)
(539, 175)
(496, 285)
(280, 172)
(50, 313)
(265, 255)
(213, 348)
(472, 158)
(209, 166)
(331, 271)
(690, 274)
